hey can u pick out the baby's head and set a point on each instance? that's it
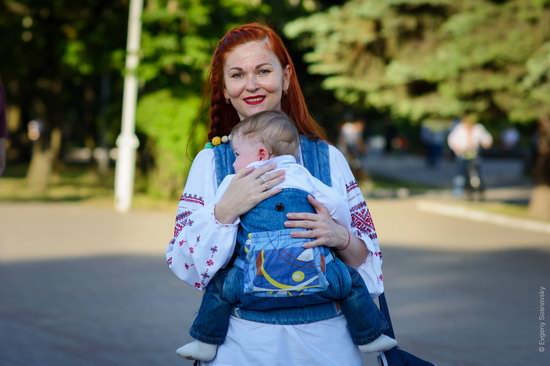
(263, 136)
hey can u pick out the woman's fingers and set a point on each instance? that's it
(303, 216)
(318, 206)
(244, 172)
(270, 192)
(258, 172)
(311, 234)
(272, 182)
(315, 243)
(306, 224)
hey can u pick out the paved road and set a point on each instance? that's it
(413, 168)
(85, 286)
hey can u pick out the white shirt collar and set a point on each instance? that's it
(281, 162)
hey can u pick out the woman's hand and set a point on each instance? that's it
(327, 232)
(249, 187)
(321, 227)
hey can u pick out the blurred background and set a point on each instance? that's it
(464, 219)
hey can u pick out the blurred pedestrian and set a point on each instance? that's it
(3, 129)
(433, 139)
(509, 138)
(391, 136)
(352, 145)
(465, 140)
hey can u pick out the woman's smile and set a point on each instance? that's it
(254, 100)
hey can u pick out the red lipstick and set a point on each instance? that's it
(255, 99)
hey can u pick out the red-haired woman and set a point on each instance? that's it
(251, 72)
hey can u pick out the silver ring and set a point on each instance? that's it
(262, 180)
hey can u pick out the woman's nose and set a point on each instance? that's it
(251, 84)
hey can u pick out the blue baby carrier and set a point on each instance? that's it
(274, 263)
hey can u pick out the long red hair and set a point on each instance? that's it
(223, 116)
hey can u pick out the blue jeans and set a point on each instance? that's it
(225, 291)
(468, 176)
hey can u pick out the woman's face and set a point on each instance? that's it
(254, 79)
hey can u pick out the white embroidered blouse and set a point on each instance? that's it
(201, 245)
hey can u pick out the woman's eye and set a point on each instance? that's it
(236, 75)
(264, 72)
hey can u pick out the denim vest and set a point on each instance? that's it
(316, 159)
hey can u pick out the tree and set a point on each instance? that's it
(58, 58)
(433, 59)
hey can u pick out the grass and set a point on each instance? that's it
(384, 183)
(376, 187)
(76, 184)
(498, 207)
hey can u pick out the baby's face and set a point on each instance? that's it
(246, 152)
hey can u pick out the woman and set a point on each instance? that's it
(251, 72)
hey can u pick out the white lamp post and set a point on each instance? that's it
(127, 141)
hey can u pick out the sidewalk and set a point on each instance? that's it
(412, 168)
(504, 178)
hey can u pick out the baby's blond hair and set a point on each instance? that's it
(274, 129)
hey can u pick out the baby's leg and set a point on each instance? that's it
(211, 324)
(365, 321)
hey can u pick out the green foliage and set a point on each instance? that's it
(171, 123)
(432, 59)
(56, 55)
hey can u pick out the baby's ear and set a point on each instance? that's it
(263, 154)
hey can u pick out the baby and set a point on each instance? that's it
(273, 270)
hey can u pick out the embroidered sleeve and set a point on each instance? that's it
(200, 245)
(361, 220)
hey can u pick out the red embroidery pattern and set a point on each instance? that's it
(351, 186)
(197, 285)
(182, 220)
(192, 198)
(381, 277)
(169, 261)
(204, 276)
(209, 263)
(361, 220)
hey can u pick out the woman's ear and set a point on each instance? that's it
(287, 73)
(263, 154)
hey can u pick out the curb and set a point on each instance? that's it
(474, 215)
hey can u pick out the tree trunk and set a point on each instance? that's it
(539, 205)
(42, 161)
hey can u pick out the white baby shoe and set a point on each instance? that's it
(198, 350)
(380, 344)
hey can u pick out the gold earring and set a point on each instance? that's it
(226, 101)
(285, 92)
